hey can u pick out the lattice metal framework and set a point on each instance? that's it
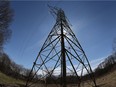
(61, 61)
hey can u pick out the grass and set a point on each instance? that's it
(4, 79)
(108, 80)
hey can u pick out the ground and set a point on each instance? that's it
(9, 81)
(108, 80)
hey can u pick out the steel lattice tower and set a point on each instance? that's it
(61, 60)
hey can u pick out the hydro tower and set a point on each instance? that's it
(61, 61)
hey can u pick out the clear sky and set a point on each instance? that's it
(94, 24)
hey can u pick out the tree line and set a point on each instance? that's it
(8, 66)
(108, 65)
(12, 69)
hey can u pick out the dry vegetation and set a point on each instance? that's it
(108, 80)
(9, 81)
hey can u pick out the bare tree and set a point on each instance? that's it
(5, 63)
(5, 19)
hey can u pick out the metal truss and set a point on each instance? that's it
(61, 61)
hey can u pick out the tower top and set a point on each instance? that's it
(59, 15)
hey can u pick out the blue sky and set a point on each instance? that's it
(94, 24)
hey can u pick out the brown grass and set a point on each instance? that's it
(7, 80)
(108, 80)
